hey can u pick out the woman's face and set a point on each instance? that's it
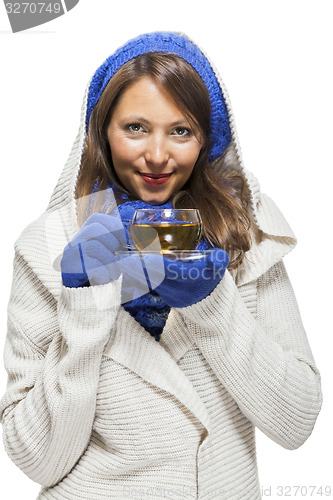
(153, 146)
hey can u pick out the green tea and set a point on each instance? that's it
(171, 236)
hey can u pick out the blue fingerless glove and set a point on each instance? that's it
(188, 282)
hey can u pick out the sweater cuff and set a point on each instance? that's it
(92, 298)
(204, 311)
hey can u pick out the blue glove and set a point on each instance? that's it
(188, 282)
(90, 259)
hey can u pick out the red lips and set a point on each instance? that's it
(155, 179)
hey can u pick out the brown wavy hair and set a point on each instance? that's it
(217, 190)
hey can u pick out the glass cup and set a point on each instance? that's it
(166, 229)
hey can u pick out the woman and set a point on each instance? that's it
(126, 386)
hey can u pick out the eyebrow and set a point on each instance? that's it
(133, 118)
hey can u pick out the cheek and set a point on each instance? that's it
(123, 151)
(187, 157)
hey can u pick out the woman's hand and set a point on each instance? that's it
(89, 258)
(188, 282)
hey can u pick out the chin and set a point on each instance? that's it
(154, 201)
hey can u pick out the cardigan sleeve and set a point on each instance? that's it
(262, 357)
(53, 353)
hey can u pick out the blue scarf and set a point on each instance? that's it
(149, 310)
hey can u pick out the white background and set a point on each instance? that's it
(275, 58)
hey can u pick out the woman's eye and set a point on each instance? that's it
(134, 128)
(182, 131)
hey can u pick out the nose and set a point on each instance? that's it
(157, 152)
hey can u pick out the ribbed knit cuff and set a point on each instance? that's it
(204, 311)
(86, 315)
(97, 297)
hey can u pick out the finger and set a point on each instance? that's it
(110, 223)
(103, 248)
(99, 225)
(134, 282)
(89, 232)
(71, 261)
(155, 269)
(98, 276)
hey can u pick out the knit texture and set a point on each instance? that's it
(181, 46)
(96, 409)
(150, 310)
(113, 413)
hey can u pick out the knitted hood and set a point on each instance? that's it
(272, 236)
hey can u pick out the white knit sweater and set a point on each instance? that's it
(97, 409)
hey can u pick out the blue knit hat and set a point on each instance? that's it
(181, 46)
